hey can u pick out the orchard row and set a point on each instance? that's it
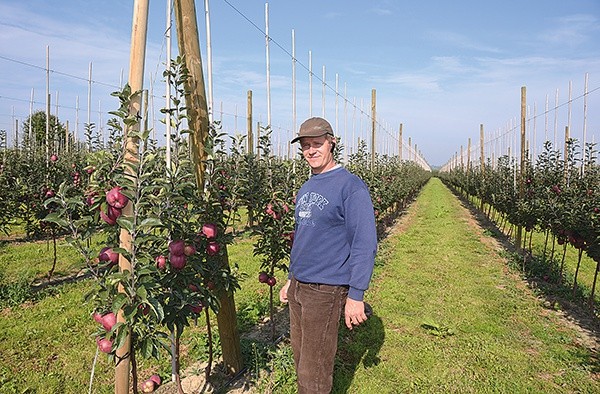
(557, 196)
(177, 231)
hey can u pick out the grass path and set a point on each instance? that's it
(450, 317)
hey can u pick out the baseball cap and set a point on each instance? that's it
(314, 127)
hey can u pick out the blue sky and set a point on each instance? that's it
(441, 68)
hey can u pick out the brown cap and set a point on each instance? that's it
(314, 127)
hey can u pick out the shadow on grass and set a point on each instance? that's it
(357, 347)
(543, 277)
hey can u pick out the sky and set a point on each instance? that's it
(439, 68)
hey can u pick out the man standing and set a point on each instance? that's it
(332, 258)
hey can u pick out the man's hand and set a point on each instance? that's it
(354, 313)
(283, 292)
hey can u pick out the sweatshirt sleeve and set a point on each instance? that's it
(362, 237)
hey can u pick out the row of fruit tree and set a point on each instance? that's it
(179, 231)
(558, 196)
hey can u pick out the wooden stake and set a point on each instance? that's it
(519, 232)
(197, 111)
(250, 142)
(373, 125)
(136, 80)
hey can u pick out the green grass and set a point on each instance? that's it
(47, 347)
(450, 317)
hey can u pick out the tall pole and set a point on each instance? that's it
(323, 95)
(197, 111)
(47, 142)
(209, 62)
(310, 83)
(136, 81)
(522, 166)
(267, 39)
(294, 115)
(400, 142)
(585, 97)
(89, 102)
(250, 148)
(168, 87)
(373, 125)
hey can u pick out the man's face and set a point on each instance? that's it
(317, 152)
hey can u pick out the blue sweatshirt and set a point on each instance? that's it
(335, 240)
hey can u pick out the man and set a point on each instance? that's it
(332, 258)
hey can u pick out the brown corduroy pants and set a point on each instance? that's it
(315, 311)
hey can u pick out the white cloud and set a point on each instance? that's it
(571, 30)
(461, 41)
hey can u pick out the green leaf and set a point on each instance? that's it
(151, 222)
(126, 223)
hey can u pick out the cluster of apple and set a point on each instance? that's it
(263, 277)
(107, 320)
(179, 250)
(151, 384)
(116, 201)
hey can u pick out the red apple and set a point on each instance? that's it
(209, 230)
(50, 193)
(177, 261)
(196, 308)
(193, 287)
(148, 386)
(54, 158)
(177, 247)
(107, 254)
(105, 345)
(156, 379)
(161, 262)
(212, 248)
(97, 317)
(263, 277)
(115, 198)
(109, 320)
(189, 250)
(210, 285)
(271, 281)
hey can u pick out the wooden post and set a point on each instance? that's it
(566, 153)
(197, 111)
(250, 142)
(469, 154)
(136, 80)
(482, 158)
(373, 125)
(400, 143)
(519, 233)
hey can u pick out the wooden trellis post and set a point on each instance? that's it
(519, 233)
(197, 111)
(136, 81)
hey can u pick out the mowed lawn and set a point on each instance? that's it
(451, 317)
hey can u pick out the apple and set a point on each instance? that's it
(271, 281)
(189, 250)
(212, 248)
(115, 198)
(97, 317)
(107, 219)
(144, 308)
(210, 285)
(193, 287)
(156, 379)
(105, 345)
(177, 261)
(50, 193)
(177, 247)
(209, 230)
(54, 158)
(148, 386)
(107, 254)
(161, 262)
(196, 308)
(109, 320)
(263, 277)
